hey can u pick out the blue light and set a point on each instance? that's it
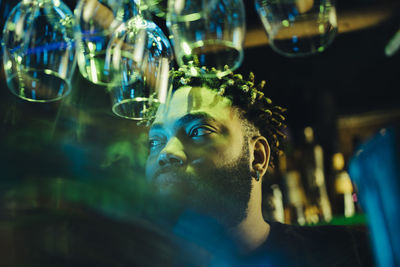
(219, 31)
(375, 170)
(6, 10)
(45, 57)
(124, 77)
(199, 35)
(60, 92)
(60, 12)
(202, 58)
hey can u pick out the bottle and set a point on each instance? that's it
(296, 202)
(273, 206)
(343, 187)
(314, 179)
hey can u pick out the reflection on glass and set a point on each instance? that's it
(97, 20)
(207, 34)
(139, 59)
(38, 50)
(298, 27)
(156, 7)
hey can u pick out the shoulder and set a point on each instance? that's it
(320, 245)
(317, 233)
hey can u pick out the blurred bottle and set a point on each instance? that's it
(273, 205)
(344, 191)
(314, 178)
(296, 202)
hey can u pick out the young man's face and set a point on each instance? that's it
(198, 151)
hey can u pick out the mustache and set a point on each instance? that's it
(168, 169)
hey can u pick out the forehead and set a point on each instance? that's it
(188, 100)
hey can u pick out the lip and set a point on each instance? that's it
(165, 171)
(167, 182)
(166, 178)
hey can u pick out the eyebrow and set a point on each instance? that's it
(185, 119)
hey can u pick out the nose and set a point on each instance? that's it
(172, 154)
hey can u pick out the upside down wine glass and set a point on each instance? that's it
(139, 57)
(207, 33)
(298, 27)
(38, 50)
(156, 7)
(97, 21)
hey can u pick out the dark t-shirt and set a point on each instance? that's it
(291, 245)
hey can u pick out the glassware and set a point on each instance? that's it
(139, 58)
(97, 20)
(298, 27)
(155, 7)
(38, 50)
(208, 33)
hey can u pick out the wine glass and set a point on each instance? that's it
(139, 58)
(298, 27)
(207, 33)
(38, 50)
(97, 21)
(156, 7)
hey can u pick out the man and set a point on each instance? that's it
(211, 146)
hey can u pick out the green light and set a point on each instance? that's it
(186, 48)
(193, 71)
(8, 65)
(92, 47)
(285, 23)
(321, 49)
(11, 26)
(321, 28)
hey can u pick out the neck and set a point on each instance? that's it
(253, 230)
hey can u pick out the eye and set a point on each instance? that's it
(200, 131)
(154, 143)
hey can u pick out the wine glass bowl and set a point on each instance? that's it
(207, 34)
(139, 58)
(298, 27)
(96, 22)
(156, 7)
(38, 50)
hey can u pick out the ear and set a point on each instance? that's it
(260, 155)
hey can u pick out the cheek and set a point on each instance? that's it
(229, 149)
(150, 167)
(213, 156)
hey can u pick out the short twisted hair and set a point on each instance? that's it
(248, 97)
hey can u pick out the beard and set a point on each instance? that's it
(219, 192)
